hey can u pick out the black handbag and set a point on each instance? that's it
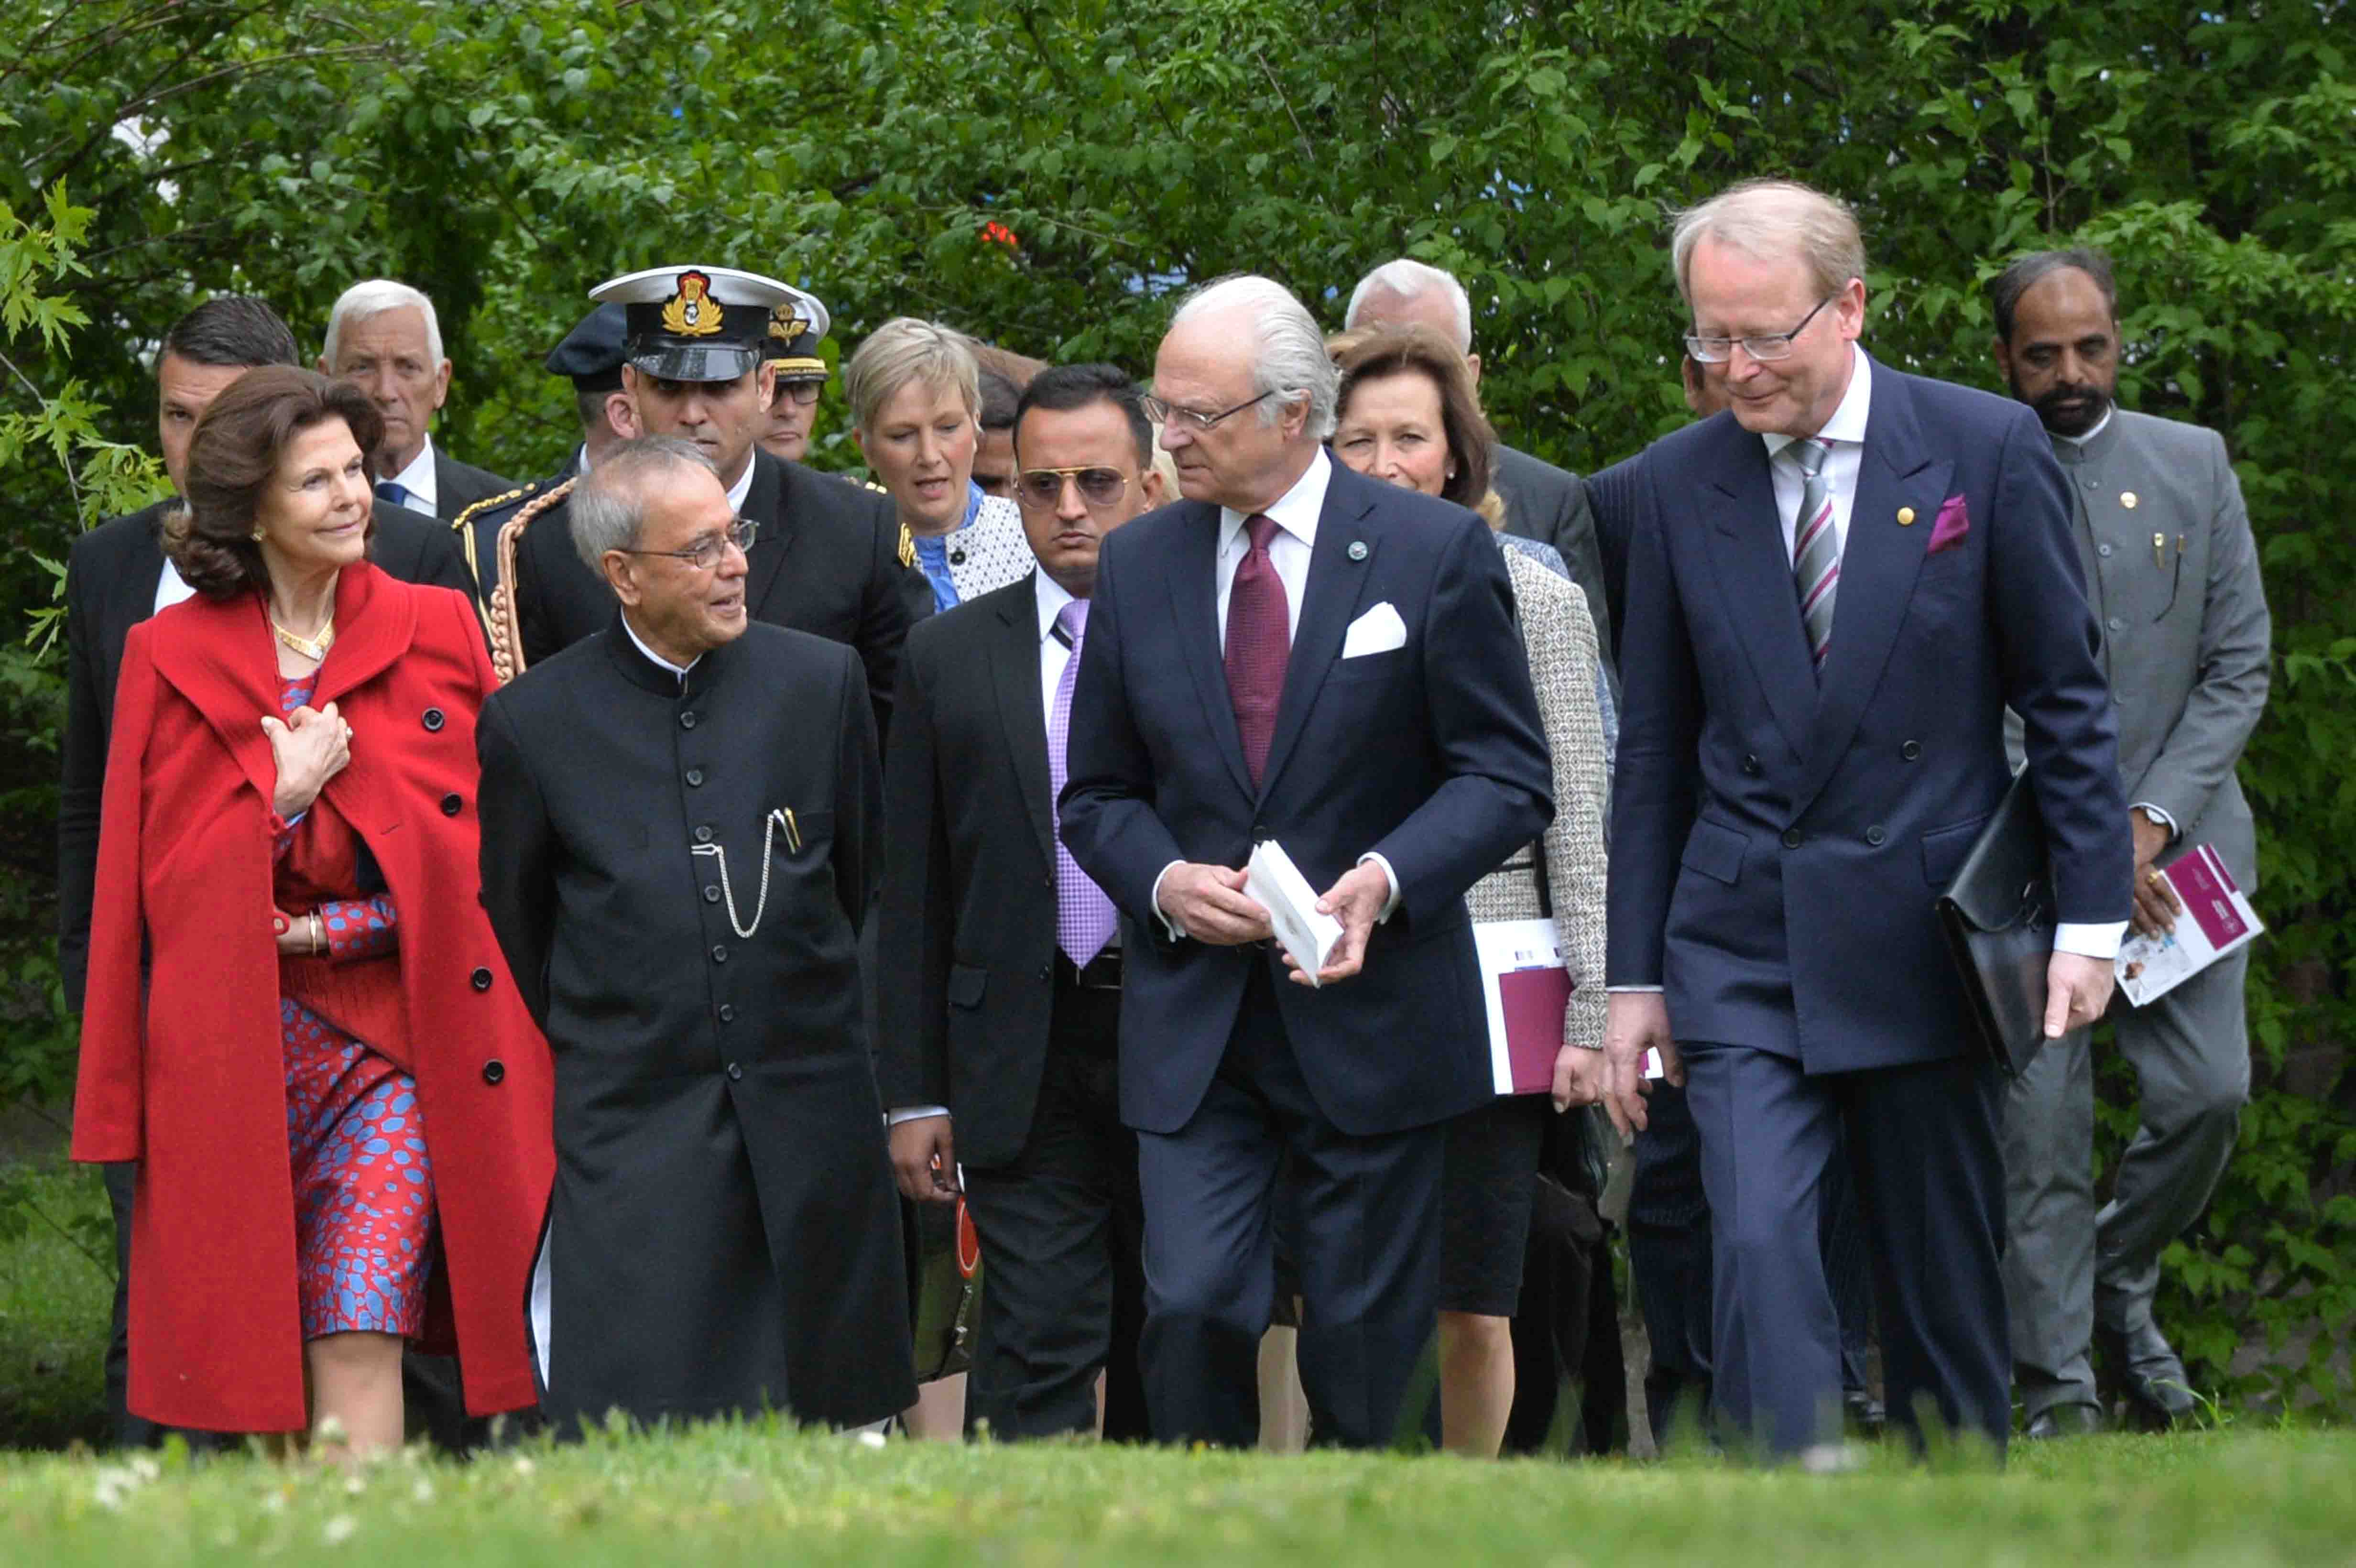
(1998, 915)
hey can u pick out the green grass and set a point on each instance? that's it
(55, 1304)
(753, 1494)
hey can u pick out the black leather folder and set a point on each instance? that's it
(1998, 915)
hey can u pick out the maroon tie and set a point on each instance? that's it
(1260, 643)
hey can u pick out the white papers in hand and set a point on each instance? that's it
(2217, 920)
(1272, 880)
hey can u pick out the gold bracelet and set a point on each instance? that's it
(319, 935)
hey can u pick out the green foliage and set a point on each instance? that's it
(504, 155)
(57, 1287)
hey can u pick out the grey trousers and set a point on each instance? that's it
(2067, 1265)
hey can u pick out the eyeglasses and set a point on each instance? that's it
(1044, 487)
(1162, 412)
(802, 392)
(1767, 346)
(706, 552)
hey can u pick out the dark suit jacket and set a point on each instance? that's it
(1612, 497)
(968, 923)
(826, 562)
(1549, 505)
(1777, 845)
(458, 485)
(1430, 754)
(111, 574)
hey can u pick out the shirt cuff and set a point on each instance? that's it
(1632, 990)
(1177, 931)
(1390, 904)
(914, 1114)
(2096, 941)
(2160, 816)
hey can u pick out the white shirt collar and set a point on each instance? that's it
(418, 478)
(1052, 596)
(1296, 511)
(2100, 426)
(744, 486)
(1847, 423)
(677, 670)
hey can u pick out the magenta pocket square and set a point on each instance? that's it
(1953, 525)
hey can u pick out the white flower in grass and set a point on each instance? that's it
(871, 1439)
(524, 1464)
(339, 1529)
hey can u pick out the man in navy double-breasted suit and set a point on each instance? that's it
(1835, 589)
(1295, 653)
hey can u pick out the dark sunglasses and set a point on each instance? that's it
(1044, 486)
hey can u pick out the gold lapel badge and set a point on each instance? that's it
(908, 547)
(2128, 499)
(1905, 516)
(691, 312)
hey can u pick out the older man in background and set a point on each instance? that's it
(384, 337)
(1542, 502)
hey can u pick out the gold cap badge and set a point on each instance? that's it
(691, 312)
(786, 324)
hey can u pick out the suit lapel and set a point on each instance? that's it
(132, 594)
(1337, 579)
(1195, 604)
(1879, 562)
(765, 502)
(1014, 671)
(1754, 578)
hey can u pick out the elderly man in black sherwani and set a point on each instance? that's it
(680, 821)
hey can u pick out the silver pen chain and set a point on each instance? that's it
(777, 819)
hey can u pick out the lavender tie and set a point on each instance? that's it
(1084, 916)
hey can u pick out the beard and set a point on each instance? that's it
(2070, 410)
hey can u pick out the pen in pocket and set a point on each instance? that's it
(793, 831)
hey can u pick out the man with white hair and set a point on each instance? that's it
(682, 831)
(1832, 597)
(383, 337)
(1542, 502)
(1295, 654)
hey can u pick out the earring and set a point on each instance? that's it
(257, 533)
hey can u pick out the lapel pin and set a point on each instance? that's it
(1357, 549)
(2128, 499)
(1905, 516)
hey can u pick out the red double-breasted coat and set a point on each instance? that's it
(186, 1074)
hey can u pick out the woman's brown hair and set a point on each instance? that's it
(1370, 354)
(233, 455)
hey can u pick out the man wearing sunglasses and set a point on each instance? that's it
(681, 837)
(1832, 597)
(1000, 1037)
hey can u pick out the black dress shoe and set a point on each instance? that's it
(1864, 1413)
(2064, 1421)
(2150, 1380)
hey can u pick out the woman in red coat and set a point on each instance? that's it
(338, 1105)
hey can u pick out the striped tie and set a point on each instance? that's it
(1816, 548)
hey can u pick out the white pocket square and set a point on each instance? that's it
(1378, 631)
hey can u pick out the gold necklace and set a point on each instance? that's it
(315, 649)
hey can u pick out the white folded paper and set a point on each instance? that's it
(1276, 884)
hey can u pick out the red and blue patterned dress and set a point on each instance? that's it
(355, 1139)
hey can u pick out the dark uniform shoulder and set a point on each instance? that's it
(505, 501)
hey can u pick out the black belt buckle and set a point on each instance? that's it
(1101, 973)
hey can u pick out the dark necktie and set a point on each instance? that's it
(1260, 645)
(392, 491)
